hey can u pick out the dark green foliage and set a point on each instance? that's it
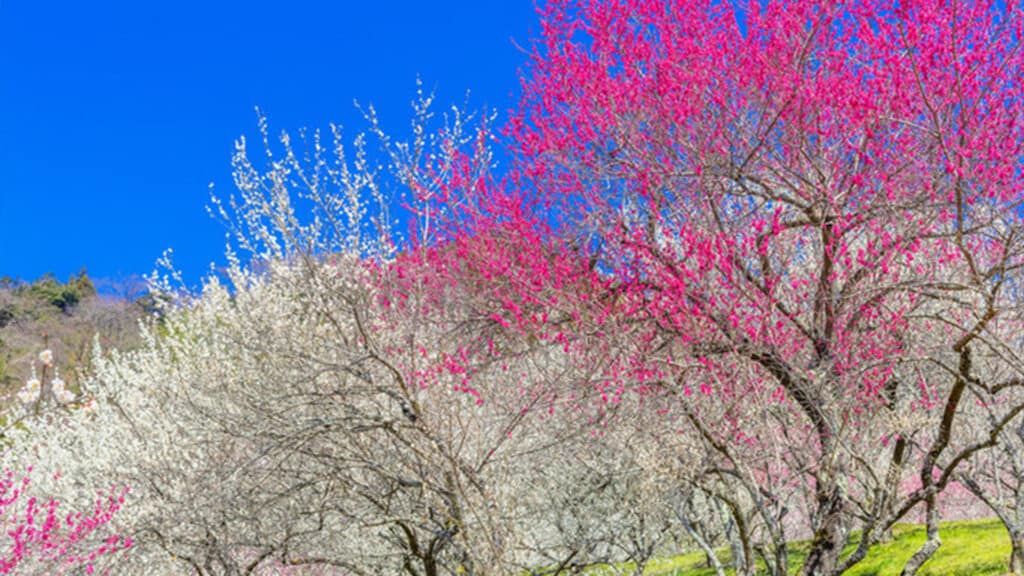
(63, 296)
(6, 314)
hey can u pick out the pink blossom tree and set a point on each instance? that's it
(816, 203)
(41, 538)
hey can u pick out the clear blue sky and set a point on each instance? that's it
(116, 115)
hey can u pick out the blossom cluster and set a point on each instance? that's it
(32, 390)
(41, 538)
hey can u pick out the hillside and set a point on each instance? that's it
(64, 317)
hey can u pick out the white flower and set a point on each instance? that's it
(57, 385)
(64, 396)
(30, 393)
(46, 357)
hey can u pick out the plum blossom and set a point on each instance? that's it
(63, 395)
(30, 392)
(57, 384)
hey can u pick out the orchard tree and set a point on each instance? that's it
(997, 478)
(329, 401)
(601, 498)
(823, 199)
(747, 468)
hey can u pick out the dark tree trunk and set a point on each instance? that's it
(781, 560)
(1017, 554)
(829, 536)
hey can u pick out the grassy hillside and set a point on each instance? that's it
(975, 548)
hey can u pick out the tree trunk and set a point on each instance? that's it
(829, 536)
(710, 558)
(931, 544)
(743, 550)
(1017, 554)
(781, 560)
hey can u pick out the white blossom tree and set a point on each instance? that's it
(320, 404)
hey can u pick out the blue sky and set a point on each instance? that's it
(116, 115)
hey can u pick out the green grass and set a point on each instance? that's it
(974, 548)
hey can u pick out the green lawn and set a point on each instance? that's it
(975, 548)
